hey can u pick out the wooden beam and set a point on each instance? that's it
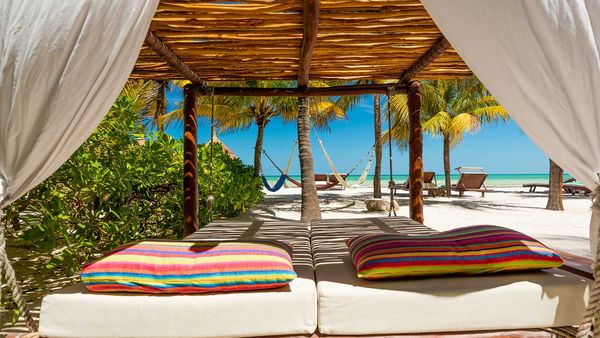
(173, 60)
(310, 22)
(415, 145)
(190, 162)
(436, 50)
(308, 92)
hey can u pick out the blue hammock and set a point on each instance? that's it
(278, 185)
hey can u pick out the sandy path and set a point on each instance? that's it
(515, 208)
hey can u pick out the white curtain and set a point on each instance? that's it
(62, 65)
(539, 58)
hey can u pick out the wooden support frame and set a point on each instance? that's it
(310, 92)
(172, 59)
(190, 162)
(436, 50)
(415, 153)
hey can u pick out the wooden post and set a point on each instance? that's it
(415, 153)
(190, 161)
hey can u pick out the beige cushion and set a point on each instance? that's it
(349, 305)
(291, 310)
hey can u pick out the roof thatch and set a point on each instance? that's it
(262, 39)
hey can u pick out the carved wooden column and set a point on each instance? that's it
(190, 161)
(415, 153)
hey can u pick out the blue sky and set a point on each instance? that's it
(500, 149)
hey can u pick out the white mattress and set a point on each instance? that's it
(290, 310)
(351, 306)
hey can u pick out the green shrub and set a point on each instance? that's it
(121, 186)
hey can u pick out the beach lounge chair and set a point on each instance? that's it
(429, 184)
(516, 301)
(471, 179)
(568, 187)
(289, 310)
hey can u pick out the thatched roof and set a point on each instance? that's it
(263, 39)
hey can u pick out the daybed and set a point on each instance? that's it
(351, 306)
(75, 312)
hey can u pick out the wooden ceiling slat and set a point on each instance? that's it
(262, 39)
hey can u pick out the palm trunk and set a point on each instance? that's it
(377, 123)
(310, 203)
(161, 104)
(258, 148)
(555, 185)
(447, 165)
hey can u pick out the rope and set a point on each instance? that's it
(391, 183)
(11, 282)
(210, 199)
(590, 326)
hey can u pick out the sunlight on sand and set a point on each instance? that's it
(510, 207)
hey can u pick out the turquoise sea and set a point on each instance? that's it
(493, 180)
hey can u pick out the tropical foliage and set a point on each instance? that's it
(450, 109)
(240, 113)
(121, 185)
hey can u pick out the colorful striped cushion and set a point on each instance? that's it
(468, 251)
(191, 267)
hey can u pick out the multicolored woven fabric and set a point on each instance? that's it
(469, 250)
(191, 267)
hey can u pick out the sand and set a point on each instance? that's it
(514, 207)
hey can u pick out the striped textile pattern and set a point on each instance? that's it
(481, 249)
(191, 267)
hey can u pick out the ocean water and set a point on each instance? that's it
(493, 180)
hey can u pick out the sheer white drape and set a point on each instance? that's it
(540, 60)
(62, 64)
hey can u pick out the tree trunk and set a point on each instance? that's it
(447, 165)
(378, 146)
(258, 147)
(161, 103)
(555, 187)
(310, 203)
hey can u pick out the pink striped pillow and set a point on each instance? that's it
(191, 267)
(469, 250)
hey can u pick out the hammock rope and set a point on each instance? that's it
(11, 282)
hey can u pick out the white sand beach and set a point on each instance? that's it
(512, 207)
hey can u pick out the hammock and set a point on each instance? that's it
(284, 176)
(342, 178)
(278, 185)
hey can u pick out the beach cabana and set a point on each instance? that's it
(65, 62)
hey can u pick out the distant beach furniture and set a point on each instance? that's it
(429, 184)
(471, 179)
(568, 187)
(329, 181)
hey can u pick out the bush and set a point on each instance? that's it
(121, 186)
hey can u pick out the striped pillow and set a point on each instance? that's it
(468, 251)
(191, 267)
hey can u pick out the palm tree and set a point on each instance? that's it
(237, 113)
(449, 108)
(555, 187)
